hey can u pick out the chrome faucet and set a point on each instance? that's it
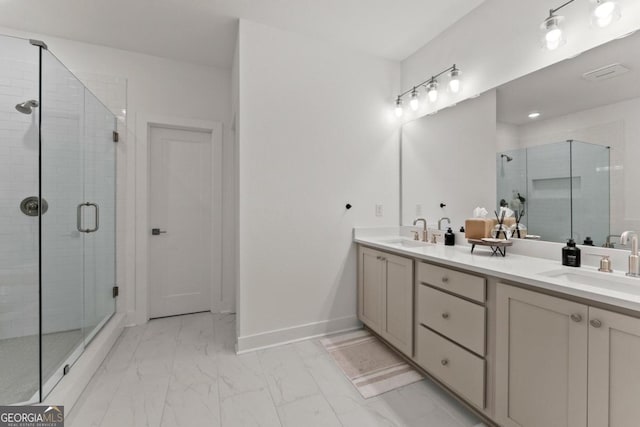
(424, 227)
(440, 222)
(634, 259)
(609, 243)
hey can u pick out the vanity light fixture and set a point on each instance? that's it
(415, 102)
(534, 115)
(603, 13)
(398, 109)
(431, 85)
(432, 90)
(454, 79)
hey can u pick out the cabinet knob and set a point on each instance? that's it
(445, 279)
(576, 317)
(445, 315)
(444, 362)
(595, 323)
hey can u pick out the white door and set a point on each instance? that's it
(181, 209)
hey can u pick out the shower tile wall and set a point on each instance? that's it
(549, 191)
(18, 179)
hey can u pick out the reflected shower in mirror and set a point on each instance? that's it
(562, 188)
(583, 188)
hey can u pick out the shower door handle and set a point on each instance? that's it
(79, 218)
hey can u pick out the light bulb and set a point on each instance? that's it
(604, 13)
(398, 109)
(553, 34)
(415, 102)
(454, 82)
(432, 91)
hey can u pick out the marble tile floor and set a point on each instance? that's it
(182, 371)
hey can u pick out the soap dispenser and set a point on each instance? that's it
(449, 238)
(571, 254)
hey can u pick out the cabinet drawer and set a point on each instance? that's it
(466, 285)
(457, 319)
(456, 367)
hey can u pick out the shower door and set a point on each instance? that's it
(99, 190)
(77, 173)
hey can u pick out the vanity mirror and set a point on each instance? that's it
(566, 149)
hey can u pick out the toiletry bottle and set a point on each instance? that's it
(571, 254)
(588, 241)
(449, 238)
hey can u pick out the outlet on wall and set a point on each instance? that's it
(378, 210)
(418, 210)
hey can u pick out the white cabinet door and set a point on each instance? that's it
(371, 288)
(398, 315)
(614, 369)
(385, 296)
(541, 360)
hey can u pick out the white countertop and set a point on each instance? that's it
(610, 288)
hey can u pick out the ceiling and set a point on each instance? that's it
(204, 31)
(560, 89)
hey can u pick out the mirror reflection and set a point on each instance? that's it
(564, 146)
(561, 190)
(571, 130)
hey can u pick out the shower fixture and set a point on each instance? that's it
(504, 156)
(27, 107)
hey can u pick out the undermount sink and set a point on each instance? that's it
(597, 279)
(401, 242)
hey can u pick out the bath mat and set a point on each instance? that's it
(369, 364)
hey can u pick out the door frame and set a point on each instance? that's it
(142, 153)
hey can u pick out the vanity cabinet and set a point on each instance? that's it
(541, 360)
(385, 296)
(451, 329)
(562, 363)
(614, 369)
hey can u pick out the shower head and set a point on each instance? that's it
(27, 107)
(504, 156)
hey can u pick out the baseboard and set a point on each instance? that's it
(70, 387)
(278, 337)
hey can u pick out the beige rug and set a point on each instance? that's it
(369, 364)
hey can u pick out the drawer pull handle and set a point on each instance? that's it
(445, 279)
(445, 315)
(595, 323)
(576, 318)
(444, 362)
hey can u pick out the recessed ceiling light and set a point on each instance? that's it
(534, 115)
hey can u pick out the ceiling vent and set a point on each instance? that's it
(607, 72)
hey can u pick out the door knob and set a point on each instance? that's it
(157, 231)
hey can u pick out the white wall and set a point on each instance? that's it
(316, 132)
(439, 150)
(155, 87)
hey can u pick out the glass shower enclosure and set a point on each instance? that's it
(57, 219)
(563, 188)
